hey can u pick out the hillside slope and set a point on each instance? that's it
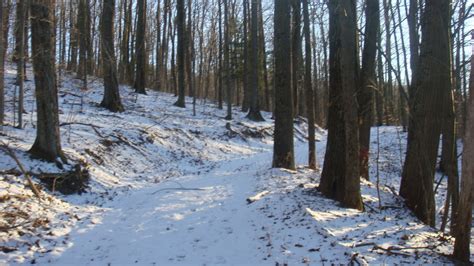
(168, 187)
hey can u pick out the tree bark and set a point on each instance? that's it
(340, 176)
(111, 98)
(227, 71)
(283, 147)
(181, 52)
(140, 49)
(47, 144)
(295, 52)
(368, 83)
(463, 222)
(309, 89)
(432, 78)
(245, 75)
(254, 112)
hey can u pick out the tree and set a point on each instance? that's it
(340, 176)
(83, 28)
(283, 147)
(295, 52)
(125, 68)
(367, 83)
(463, 222)
(140, 49)
(254, 112)
(181, 52)
(20, 56)
(111, 98)
(309, 89)
(47, 144)
(246, 100)
(433, 77)
(227, 61)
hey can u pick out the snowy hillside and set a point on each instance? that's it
(168, 187)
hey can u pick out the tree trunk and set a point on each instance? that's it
(47, 144)
(227, 61)
(140, 49)
(295, 51)
(245, 75)
(20, 56)
(111, 98)
(433, 77)
(340, 176)
(254, 112)
(181, 52)
(367, 83)
(283, 150)
(463, 223)
(309, 89)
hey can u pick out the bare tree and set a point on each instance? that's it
(309, 89)
(111, 98)
(47, 144)
(140, 49)
(340, 176)
(254, 112)
(367, 83)
(463, 222)
(283, 148)
(432, 78)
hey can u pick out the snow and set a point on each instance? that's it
(171, 188)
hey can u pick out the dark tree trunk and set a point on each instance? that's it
(263, 53)
(254, 112)
(47, 144)
(432, 78)
(140, 49)
(220, 86)
(72, 63)
(414, 41)
(227, 71)
(245, 75)
(283, 150)
(181, 51)
(124, 73)
(20, 38)
(111, 98)
(295, 52)
(309, 89)
(367, 83)
(340, 176)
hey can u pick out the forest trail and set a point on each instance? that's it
(206, 220)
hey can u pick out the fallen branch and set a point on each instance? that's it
(10, 153)
(94, 127)
(257, 197)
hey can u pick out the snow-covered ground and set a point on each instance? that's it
(168, 187)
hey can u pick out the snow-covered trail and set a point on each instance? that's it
(207, 222)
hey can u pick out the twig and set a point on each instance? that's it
(10, 152)
(439, 183)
